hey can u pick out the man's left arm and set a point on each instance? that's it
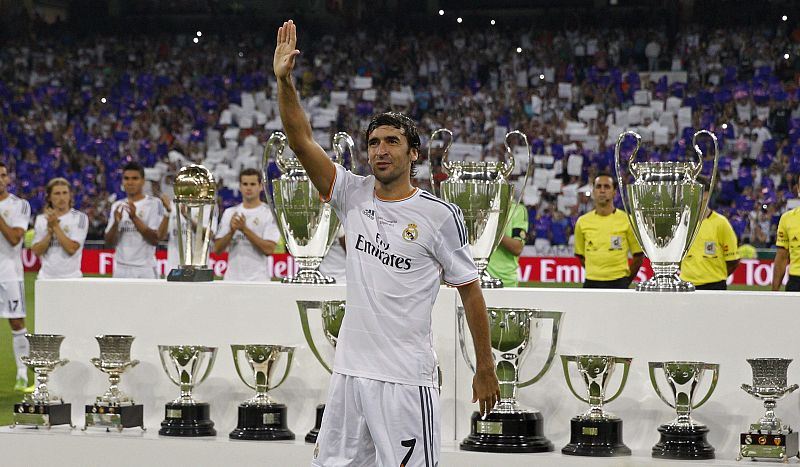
(14, 229)
(485, 387)
(730, 247)
(268, 240)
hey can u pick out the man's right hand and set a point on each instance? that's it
(285, 50)
(118, 213)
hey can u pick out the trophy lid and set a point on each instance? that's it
(195, 184)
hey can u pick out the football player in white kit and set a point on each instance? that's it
(133, 227)
(248, 231)
(59, 233)
(383, 407)
(15, 215)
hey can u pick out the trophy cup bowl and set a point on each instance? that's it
(195, 204)
(597, 432)
(307, 223)
(483, 192)
(42, 408)
(769, 438)
(114, 409)
(665, 207)
(187, 366)
(332, 313)
(508, 427)
(683, 438)
(260, 417)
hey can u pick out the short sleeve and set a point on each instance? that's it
(579, 242)
(782, 239)
(452, 251)
(111, 215)
(519, 223)
(633, 243)
(342, 181)
(22, 216)
(156, 215)
(79, 234)
(225, 223)
(39, 228)
(728, 241)
(271, 231)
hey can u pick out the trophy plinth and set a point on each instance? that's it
(311, 436)
(187, 366)
(596, 438)
(519, 431)
(262, 423)
(45, 415)
(195, 205)
(190, 275)
(42, 408)
(683, 442)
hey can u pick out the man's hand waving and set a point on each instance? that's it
(285, 50)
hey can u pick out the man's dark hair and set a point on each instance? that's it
(606, 174)
(250, 171)
(705, 182)
(401, 122)
(3, 164)
(134, 166)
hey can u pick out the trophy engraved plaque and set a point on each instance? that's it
(187, 366)
(43, 408)
(596, 432)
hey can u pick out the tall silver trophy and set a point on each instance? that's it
(43, 408)
(769, 438)
(261, 417)
(509, 427)
(665, 207)
(114, 409)
(332, 314)
(307, 223)
(187, 366)
(485, 195)
(683, 438)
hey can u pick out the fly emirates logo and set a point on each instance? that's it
(380, 250)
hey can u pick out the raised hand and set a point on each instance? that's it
(118, 213)
(285, 50)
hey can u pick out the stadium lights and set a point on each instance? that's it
(492, 22)
(199, 33)
(195, 40)
(786, 56)
(724, 126)
(784, 17)
(103, 100)
(459, 20)
(541, 77)
(519, 50)
(441, 12)
(241, 54)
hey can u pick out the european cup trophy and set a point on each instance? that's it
(307, 223)
(261, 417)
(509, 427)
(187, 366)
(665, 208)
(114, 409)
(42, 408)
(596, 432)
(332, 313)
(195, 205)
(683, 438)
(485, 195)
(769, 438)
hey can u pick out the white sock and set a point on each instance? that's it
(21, 349)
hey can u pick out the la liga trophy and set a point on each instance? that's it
(596, 432)
(261, 417)
(683, 438)
(114, 409)
(665, 207)
(195, 205)
(769, 438)
(43, 408)
(485, 194)
(509, 427)
(187, 366)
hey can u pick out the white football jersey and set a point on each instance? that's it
(16, 213)
(172, 240)
(132, 249)
(398, 251)
(56, 263)
(245, 261)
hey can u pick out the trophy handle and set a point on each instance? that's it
(556, 317)
(339, 139)
(715, 368)
(277, 142)
(699, 168)
(462, 341)
(302, 307)
(626, 366)
(290, 356)
(235, 349)
(652, 368)
(621, 180)
(162, 351)
(565, 359)
(445, 162)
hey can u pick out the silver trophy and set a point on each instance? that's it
(665, 207)
(261, 417)
(307, 223)
(596, 432)
(769, 438)
(43, 408)
(114, 409)
(195, 205)
(509, 427)
(485, 195)
(683, 438)
(187, 366)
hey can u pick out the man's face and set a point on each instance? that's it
(389, 154)
(4, 180)
(250, 187)
(59, 197)
(132, 182)
(603, 190)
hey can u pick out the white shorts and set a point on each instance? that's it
(373, 423)
(12, 300)
(122, 271)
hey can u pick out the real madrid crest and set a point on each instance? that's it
(410, 233)
(255, 221)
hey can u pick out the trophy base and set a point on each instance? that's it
(190, 275)
(308, 277)
(187, 420)
(507, 432)
(596, 438)
(683, 443)
(116, 417)
(262, 423)
(665, 284)
(489, 282)
(45, 415)
(311, 437)
(768, 446)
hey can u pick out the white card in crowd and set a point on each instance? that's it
(369, 95)
(565, 91)
(361, 82)
(339, 97)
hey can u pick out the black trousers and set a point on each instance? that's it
(793, 285)
(721, 285)
(621, 283)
